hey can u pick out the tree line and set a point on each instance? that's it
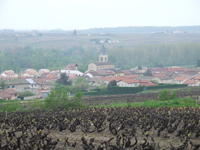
(153, 55)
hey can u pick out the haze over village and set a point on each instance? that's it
(97, 74)
(136, 55)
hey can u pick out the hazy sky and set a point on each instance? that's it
(83, 14)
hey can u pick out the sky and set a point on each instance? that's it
(84, 14)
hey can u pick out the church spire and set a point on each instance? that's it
(103, 50)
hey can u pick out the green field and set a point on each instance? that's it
(185, 102)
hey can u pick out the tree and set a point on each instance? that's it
(148, 73)
(25, 94)
(198, 63)
(80, 84)
(139, 67)
(165, 95)
(64, 79)
(75, 32)
(2, 85)
(56, 99)
(111, 84)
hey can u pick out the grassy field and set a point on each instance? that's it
(186, 102)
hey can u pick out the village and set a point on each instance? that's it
(99, 73)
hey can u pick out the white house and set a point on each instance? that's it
(180, 80)
(72, 69)
(128, 83)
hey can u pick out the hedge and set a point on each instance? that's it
(127, 90)
(117, 90)
(165, 86)
(131, 90)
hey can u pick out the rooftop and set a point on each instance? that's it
(103, 63)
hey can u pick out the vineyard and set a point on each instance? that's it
(137, 128)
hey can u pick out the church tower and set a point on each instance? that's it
(103, 57)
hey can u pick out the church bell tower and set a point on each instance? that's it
(103, 57)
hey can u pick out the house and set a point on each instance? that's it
(30, 73)
(127, 72)
(118, 72)
(128, 83)
(44, 71)
(148, 78)
(197, 78)
(35, 85)
(192, 83)
(72, 66)
(9, 94)
(72, 69)
(180, 80)
(106, 73)
(19, 84)
(189, 74)
(9, 74)
(49, 75)
(95, 81)
(166, 79)
(159, 70)
(158, 74)
(146, 83)
(176, 69)
(92, 74)
(107, 80)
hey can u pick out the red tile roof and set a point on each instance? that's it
(10, 91)
(129, 81)
(148, 84)
(197, 77)
(126, 72)
(176, 69)
(158, 74)
(159, 69)
(190, 82)
(180, 78)
(4, 95)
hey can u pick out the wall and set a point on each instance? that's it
(30, 97)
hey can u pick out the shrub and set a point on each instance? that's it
(165, 95)
(59, 99)
(78, 97)
(56, 99)
(25, 94)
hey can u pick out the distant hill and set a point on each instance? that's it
(145, 29)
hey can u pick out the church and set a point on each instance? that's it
(103, 63)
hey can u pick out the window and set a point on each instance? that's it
(13, 86)
(8, 87)
(15, 95)
(32, 85)
(41, 85)
(101, 58)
